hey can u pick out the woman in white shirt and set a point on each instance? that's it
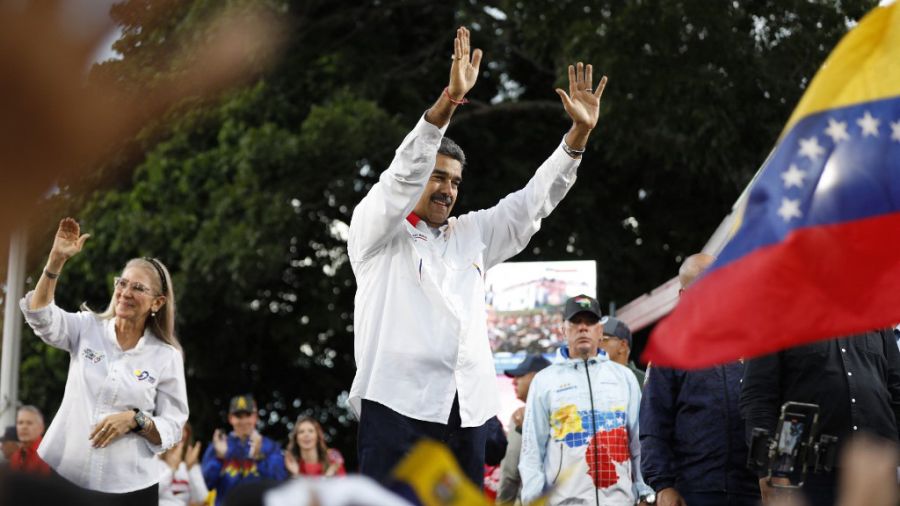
(125, 398)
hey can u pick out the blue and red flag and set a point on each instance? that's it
(816, 250)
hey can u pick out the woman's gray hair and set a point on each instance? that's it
(451, 149)
(163, 324)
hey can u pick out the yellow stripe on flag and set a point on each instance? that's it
(864, 66)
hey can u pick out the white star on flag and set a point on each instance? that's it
(810, 148)
(869, 125)
(837, 130)
(790, 208)
(793, 177)
(895, 131)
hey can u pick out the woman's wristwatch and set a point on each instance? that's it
(143, 421)
(649, 498)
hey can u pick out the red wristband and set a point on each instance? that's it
(454, 101)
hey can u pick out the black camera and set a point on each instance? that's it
(794, 450)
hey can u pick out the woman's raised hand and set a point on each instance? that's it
(68, 241)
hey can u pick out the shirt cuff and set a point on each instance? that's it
(41, 320)
(566, 165)
(429, 131)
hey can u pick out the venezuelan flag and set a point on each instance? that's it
(816, 251)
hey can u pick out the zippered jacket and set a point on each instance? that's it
(580, 438)
(692, 431)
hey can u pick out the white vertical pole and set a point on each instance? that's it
(12, 330)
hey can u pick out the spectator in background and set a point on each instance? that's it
(181, 482)
(244, 455)
(494, 450)
(692, 433)
(616, 342)
(855, 382)
(510, 481)
(9, 443)
(581, 419)
(30, 432)
(308, 455)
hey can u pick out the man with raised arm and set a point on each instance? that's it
(424, 365)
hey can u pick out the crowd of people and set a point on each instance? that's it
(186, 476)
(532, 331)
(595, 429)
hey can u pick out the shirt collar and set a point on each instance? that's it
(415, 220)
(111, 336)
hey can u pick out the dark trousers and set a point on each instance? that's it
(719, 499)
(386, 436)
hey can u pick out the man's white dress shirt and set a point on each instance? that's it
(103, 380)
(420, 318)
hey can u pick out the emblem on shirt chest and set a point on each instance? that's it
(92, 356)
(144, 375)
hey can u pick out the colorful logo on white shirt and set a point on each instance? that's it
(144, 375)
(92, 356)
(607, 446)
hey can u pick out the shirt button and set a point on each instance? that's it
(853, 401)
(843, 350)
(854, 427)
(849, 374)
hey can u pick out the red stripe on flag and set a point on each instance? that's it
(820, 282)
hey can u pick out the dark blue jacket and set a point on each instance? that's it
(692, 432)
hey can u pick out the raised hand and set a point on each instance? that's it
(463, 72)
(192, 455)
(255, 445)
(173, 456)
(291, 464)
(68, 241)
(220, 443)
(582, 103)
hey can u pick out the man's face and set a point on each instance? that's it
(28, 426)
(243, 423)
(440, 193)
(522, 383)
(583, 333)
(616, 348)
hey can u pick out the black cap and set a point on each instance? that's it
(242, 404)
(532, 363)
(10, 435)
(614, 327)
(582, 304)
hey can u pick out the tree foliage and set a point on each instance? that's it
(246, 196)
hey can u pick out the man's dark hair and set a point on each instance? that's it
(452, 150)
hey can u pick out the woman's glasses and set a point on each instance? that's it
(123, 284)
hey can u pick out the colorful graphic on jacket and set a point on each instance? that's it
(606, 448)
(240, 467)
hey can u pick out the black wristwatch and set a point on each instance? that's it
(141, 420)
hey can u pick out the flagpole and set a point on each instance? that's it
(12, 330)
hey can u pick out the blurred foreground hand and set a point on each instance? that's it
(53, 125)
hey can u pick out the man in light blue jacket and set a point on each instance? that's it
(580, 437)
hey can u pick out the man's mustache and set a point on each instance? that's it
(442, 198)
